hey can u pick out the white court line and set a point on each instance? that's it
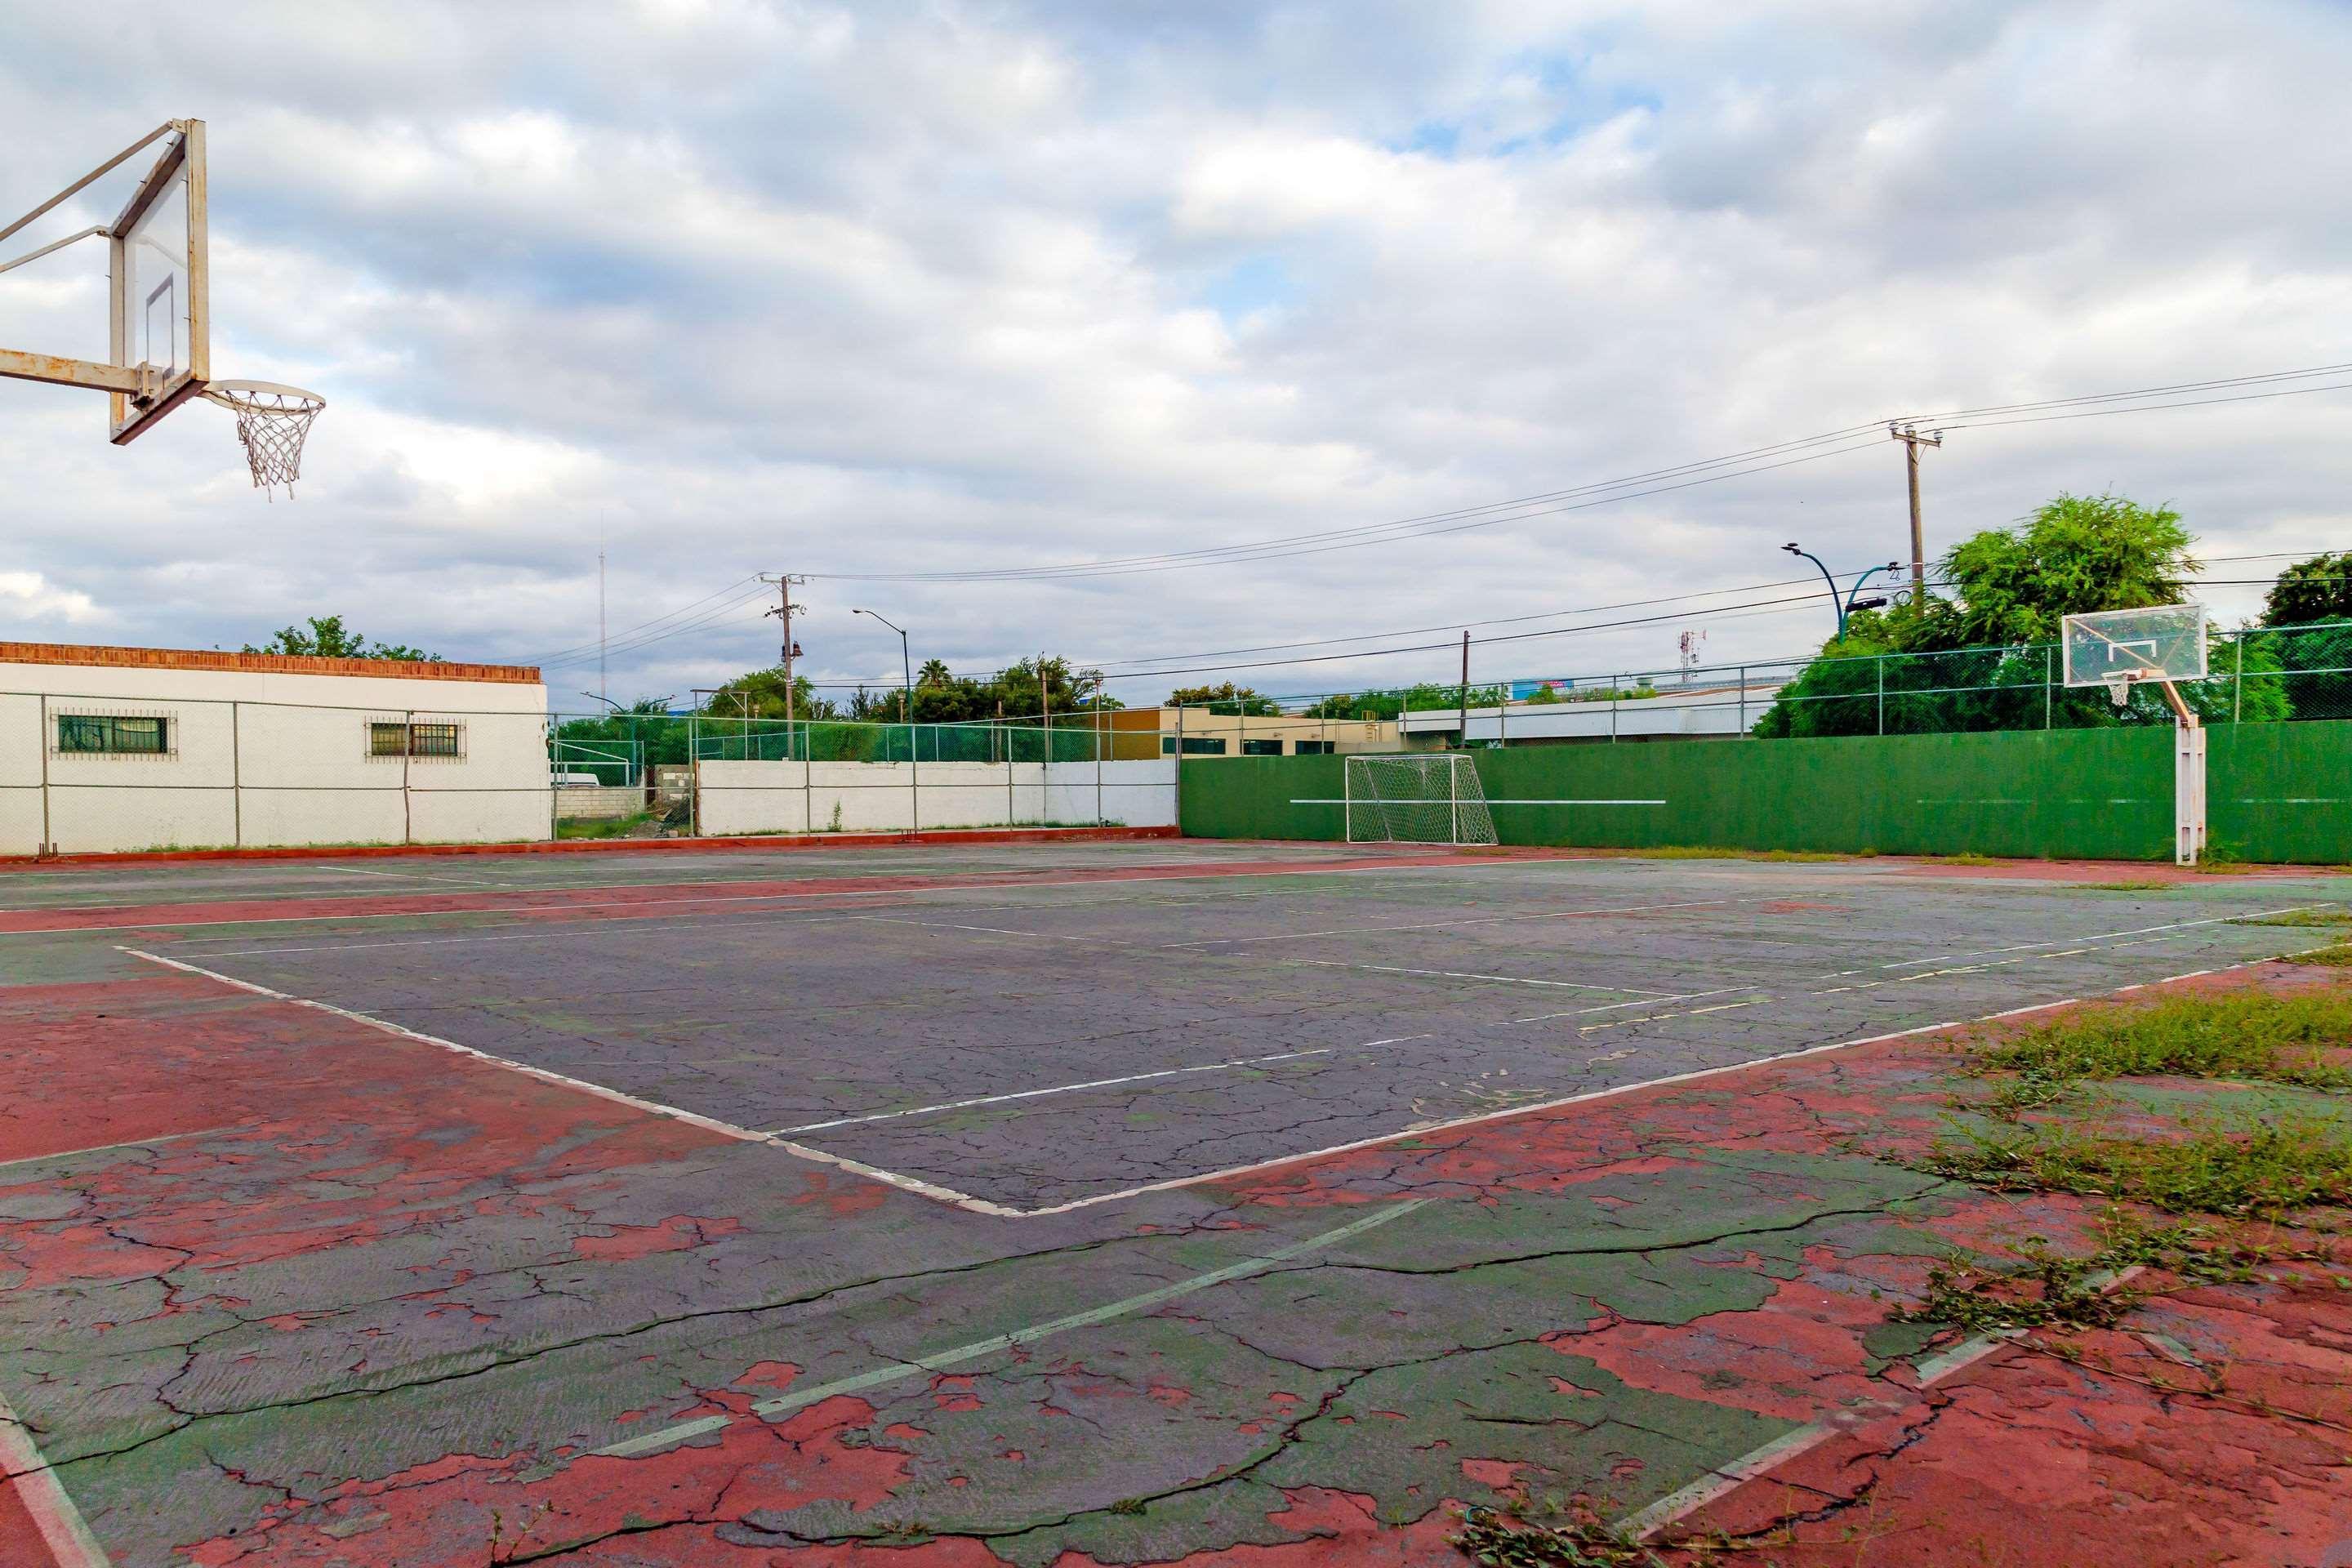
(2053, 942)
(928, 1365)
(417, 876)
(1690, 1012)
(982, 1205)
(995, 931)
(1457, 974)
(1726, 1479)
(707, 1123)
(43, 1497)
(1335, 868)
(110, 1148)
(1448, 925)
(1639, 1002)
(1074, 1088)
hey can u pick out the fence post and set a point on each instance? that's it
(1880, 661)
(1743, 703)
(42, 731)
(2238, 682)
(408, 754)
(914, 778)
(235, 778)
(2049, 654)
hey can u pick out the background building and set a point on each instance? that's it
(125, 748)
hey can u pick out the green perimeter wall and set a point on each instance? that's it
(2274, 792)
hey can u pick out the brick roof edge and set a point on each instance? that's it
(260, 663)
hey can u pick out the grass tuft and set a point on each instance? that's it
(2048, 1291)
(2122, 887)
(2337, 957)
(1487, 1537)
(2296, 1162)
(2250, 1034)
(2337, 916)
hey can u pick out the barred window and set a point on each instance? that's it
(397, 740)
(113, 733)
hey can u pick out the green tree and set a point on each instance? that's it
(1225, 698)
(2313, 660)
(328, 639)
(1978, 659)
(2319, 589)
(932, 672)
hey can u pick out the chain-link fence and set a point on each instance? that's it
(2261, 675)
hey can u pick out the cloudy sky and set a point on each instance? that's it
(889, 290)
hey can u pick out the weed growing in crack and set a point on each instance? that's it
(2046, 1289)
(2299, 917)
(2276, 1039)
(2297, 1160)
(1487, 1536)
(2338, 956)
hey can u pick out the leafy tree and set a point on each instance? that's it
(328, 639)
(1977, 659)
(1225, 698)
(760, 694)
(1429, 695)
(2319, 589)
(2312, 656)
(932, 672)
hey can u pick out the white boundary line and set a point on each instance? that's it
(1720, 1482)
(1320, 868)
(1072, 1088)
(1480, 920)
(1458, 974)
(110, 1148)
(1003, 1211)
(925, 1365)
(61, 1524)
(707, 1123)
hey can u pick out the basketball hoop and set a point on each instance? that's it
(2119, 689)
(272, 421)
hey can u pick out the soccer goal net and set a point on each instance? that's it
(1431, 799)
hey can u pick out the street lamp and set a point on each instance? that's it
(906, 666)
(1837, 600)
(605, 700)
(1852, 603)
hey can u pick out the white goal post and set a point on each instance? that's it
(1426, 798)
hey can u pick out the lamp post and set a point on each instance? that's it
(1853, 600)
(1838, 602)
(906, 667)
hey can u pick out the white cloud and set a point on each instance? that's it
(728, 287)
(30, 596)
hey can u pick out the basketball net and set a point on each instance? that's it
(272, 423)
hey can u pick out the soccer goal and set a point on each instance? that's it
(1427, 799)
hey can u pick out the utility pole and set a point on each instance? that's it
(784, 607)
(1463, 716)
(1912, 441)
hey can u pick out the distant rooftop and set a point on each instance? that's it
(260, 663)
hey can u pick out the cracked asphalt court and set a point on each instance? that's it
(1056, 1204)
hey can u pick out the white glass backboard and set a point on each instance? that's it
(2162, 642)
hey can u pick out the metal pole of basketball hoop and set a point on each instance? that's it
(2188, 762)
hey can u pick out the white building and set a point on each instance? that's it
(1674, 713)
(128, 748)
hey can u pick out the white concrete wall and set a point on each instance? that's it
(267, 759)
(898, 797)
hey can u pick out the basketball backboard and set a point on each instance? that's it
(159, 332)
(2161, 642)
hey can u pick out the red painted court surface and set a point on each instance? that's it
(1070, 1204)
